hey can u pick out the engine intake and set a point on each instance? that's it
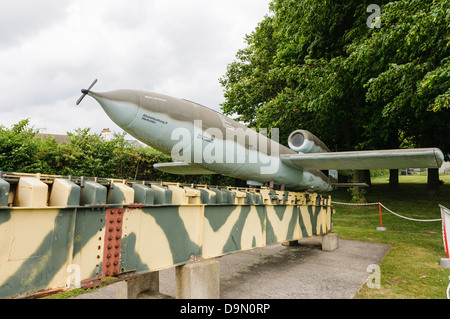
(302, 141)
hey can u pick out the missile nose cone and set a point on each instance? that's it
(121, 105)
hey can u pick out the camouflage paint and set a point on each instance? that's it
(37, 244)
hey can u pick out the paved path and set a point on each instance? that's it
(276, 271)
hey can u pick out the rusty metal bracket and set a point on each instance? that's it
(112, 242)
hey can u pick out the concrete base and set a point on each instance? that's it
(198, 280)
(141, 287)
(381, 228)
(330, 242)
(445, 262)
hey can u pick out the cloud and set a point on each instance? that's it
(22, 18)
(49, 50)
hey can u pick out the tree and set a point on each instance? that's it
(87, 154)
(18, 149)
(293, 74)
(316, 65)
(49, 155)
(413, 85)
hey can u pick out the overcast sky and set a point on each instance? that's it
(51, 49)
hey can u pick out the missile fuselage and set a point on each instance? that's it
(201, 136)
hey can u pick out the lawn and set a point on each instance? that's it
(411, 268)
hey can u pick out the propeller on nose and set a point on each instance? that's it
(86, 91)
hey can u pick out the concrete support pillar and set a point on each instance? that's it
(198, 280)
(445, 262)
(330, 242)
(141, 287)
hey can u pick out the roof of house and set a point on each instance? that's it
(59, 137)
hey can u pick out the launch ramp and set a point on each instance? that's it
(57, 231)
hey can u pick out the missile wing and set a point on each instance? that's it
(361, 160)
(182, 168)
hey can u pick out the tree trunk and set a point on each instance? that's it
(367, 178)
(433, 182)
(359, 177)
(393, 179)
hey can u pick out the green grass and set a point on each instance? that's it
(78, 291)
(71, 293)
(411, 268)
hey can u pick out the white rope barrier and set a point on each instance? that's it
(390, 211)
(415, 220)
(354, 204)
(445, 219)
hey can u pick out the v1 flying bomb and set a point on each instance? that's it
(203, 141)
